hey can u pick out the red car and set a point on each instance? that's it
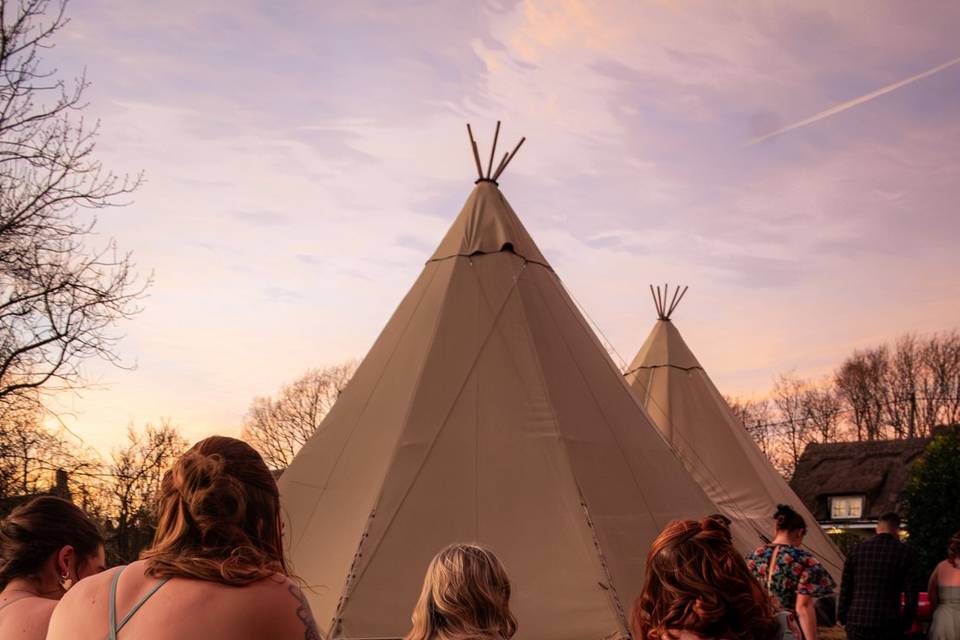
(924, 615)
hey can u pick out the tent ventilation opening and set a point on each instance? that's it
(491, 175)
(665, 310)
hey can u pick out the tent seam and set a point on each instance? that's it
(440, 429)
(615, 597)
(366, 403)
(352, 577)
(661, 366)
(599, 405)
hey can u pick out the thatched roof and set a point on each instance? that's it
(877, 470)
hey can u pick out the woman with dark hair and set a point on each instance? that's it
(791, 575)
(944, 592)
(465, 596)
(46, 546)
(215, 570)
(697, 587)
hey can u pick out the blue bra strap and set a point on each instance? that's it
(113, 604)
(114, 625)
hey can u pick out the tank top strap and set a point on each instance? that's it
(115, 626)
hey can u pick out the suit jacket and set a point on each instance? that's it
(876, 572)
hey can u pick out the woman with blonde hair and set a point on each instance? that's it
(215, 570)
(465, 596)
(697, 587)
(47, 545)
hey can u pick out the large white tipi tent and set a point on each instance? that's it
(486, 411)
(715, 448)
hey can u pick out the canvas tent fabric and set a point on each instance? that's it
(716, 449)
(487, 411)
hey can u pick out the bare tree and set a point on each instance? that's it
(135, 474)
(31, 454)
(60, 299)
(860, 382)
(789, 399)
(279, 427)
(823, 410)
(756, 418)
(759, 419)
(900, 387)
(939, 396)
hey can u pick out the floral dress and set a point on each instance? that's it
(796, 571)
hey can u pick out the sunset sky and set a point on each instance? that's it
(303, 159)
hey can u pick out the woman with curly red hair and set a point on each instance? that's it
(698, 587)
(215, 570)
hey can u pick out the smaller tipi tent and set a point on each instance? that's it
(715, 448)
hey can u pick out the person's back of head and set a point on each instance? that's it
(219, 517)
(697, 581)
(465, 596)
(889, 523)
(49, 535)
(953, 550)
(788, 520)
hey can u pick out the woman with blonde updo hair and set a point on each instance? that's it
(697, 587)
(215, 569)
(465, 596)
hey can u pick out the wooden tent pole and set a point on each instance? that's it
(500, 166)
(476, 152)
(671, 307)
(493, 149)
(509, 158)
(682, 293)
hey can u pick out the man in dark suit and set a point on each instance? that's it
(876, 572)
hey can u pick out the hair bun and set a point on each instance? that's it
(717, 525)
(212, 496)
(788, 519)
(195, 471)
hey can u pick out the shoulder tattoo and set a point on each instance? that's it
(305, 615)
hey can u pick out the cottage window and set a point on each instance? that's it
(846, 507)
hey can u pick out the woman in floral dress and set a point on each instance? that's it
(797, 578)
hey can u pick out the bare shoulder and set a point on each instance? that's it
(944, 567)
(288, 608)
(83, 601)
(33, 616)
(88, 591)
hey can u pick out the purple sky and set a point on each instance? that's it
(303, 160)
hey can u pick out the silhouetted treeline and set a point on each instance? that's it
(890, 391)
(118, 492)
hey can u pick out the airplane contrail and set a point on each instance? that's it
(852, 103)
